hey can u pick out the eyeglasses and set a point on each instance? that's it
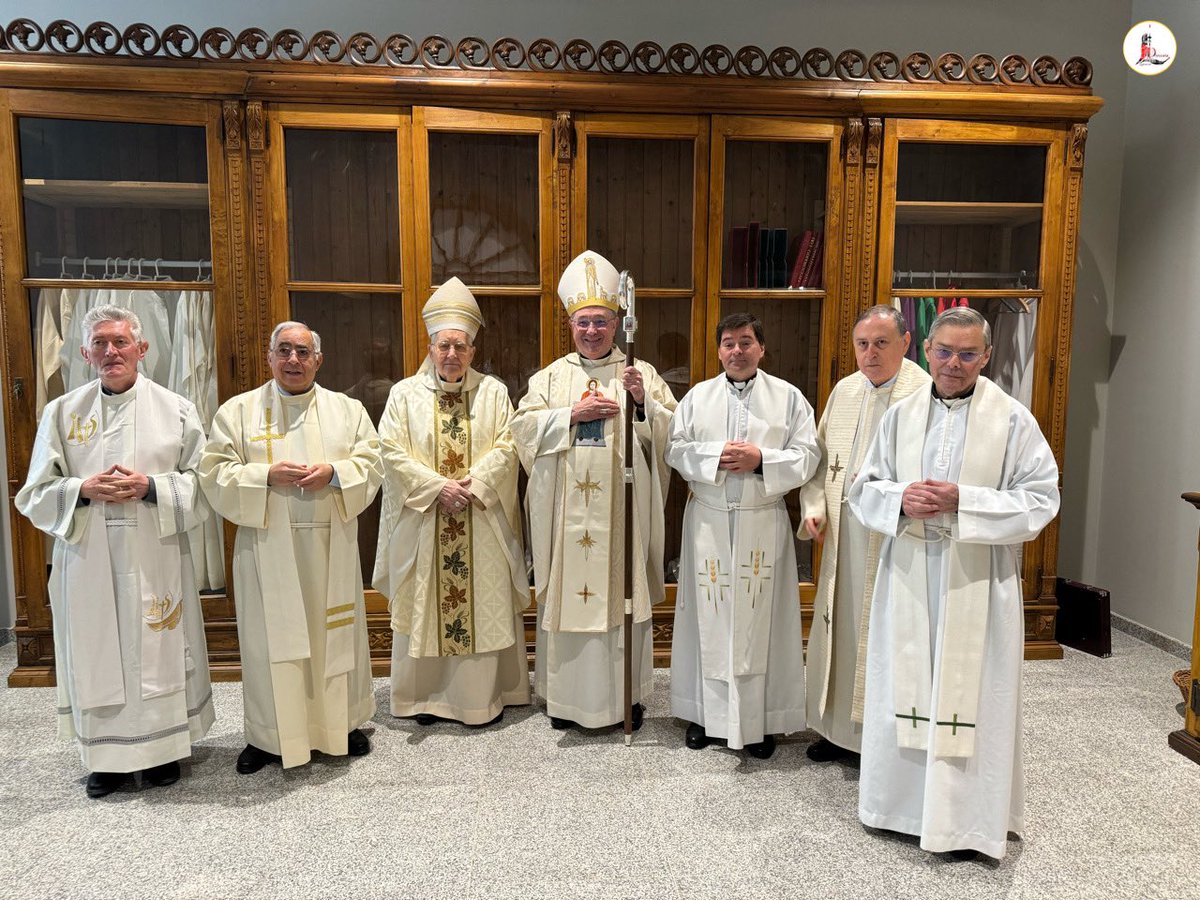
(966, 357)
(285, 351)
(598, 324)
(444, 347)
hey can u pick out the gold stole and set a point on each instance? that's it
(591, 477)
(454, 593)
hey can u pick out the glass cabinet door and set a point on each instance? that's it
(117, 213)
(775, 211)
(641, 190)
(486, 217)
(338, 261)
(964, 212)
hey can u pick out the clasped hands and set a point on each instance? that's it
(116, 484)
(595, 406)
(739, 456)
(455, 496)
(310, 478)
(928, 498)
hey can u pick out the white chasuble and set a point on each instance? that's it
(131, 659)
(947, 625)
(837, 643)
(455, 584)
(576, 506)
(297, 581)
(737, 657)
(576, 496)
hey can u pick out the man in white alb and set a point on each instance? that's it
(837, 642)
(957, 479)
(569, 434)
(292, 465)
(742, 440)
(450, 559)
(113, 480)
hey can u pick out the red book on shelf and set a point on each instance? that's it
(812, 270)
(801, 253)
(751, 255)
(738, 244)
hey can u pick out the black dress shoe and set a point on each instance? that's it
(425, 719)
(639, 713)
(357, 743)
(161, 776)
(252, 759)
(101, 784)
(963, 855)
(560, 724)
(697, 737)
(763, 749)
(824, 751)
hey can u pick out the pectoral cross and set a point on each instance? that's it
(837, 466)
(268, 436)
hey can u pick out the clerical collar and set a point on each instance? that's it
(606, 359)
(949, 400)
(740, 386)
(449, 387)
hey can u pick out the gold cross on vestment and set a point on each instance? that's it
(837, 465)
(585, 593)
(268, 436)
(587, 542)
(587, 487)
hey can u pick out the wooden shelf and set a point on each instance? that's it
(922, 212)
(139, 194)
(772, 293)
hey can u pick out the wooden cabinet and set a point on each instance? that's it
(341, 188)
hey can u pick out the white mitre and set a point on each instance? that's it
(452, 306)
(590, 280)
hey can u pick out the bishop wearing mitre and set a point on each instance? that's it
(570, 438)
(450, 559)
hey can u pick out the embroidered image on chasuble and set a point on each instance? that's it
(131, 664)
(576, 495)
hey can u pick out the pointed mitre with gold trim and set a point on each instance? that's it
(590, 280)
(452, 306)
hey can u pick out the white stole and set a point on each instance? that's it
(98, 672)
(279, 580)
(968, 586)
(744, 564)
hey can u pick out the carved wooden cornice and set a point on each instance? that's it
(399, 51)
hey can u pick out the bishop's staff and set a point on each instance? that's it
(625, 293)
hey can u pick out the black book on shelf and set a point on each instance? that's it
(764, 258)
(779, 243)
(751, 279)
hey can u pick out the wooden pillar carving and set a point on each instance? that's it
(852, 301)
(564, 160)
(1060, 363)
(870, 217)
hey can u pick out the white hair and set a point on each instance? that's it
(283, 326)
(962, 317)
(98, 314)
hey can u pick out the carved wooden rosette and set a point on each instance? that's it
(612, 57)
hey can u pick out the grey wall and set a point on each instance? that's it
(1147, 545)
(1090, 28)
